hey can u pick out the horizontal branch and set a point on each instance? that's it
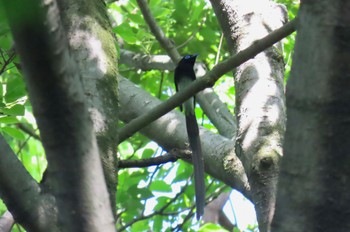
(172, 156)
(146, 62)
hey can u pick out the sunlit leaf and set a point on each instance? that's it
(209, 227)
(15, 88)
(15, 133)
(160, 186)
(17, 109)
(8, 119)
(126, 149)
(147, 153)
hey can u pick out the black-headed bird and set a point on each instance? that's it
(184, 75)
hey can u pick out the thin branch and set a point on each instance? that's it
(207, 81)
(146, 62)
(166, 43)
(160, 211)
(219, 49)
(161, 85)
(169, 157)
(207, 200)
(7, 61)
(28, 131)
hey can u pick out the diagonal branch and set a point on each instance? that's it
(206, 100)
(211, 104)
(167, 44)
(169, 132)
(146, 62)
(207, 81)
(21, 192)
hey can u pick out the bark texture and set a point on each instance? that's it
(92, 45)
(314, 184)
(31, 206)
(74, 175)
(260, 106)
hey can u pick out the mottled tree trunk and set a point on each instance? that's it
(62, 66)
(93, 46)
(260, 106)
(314, 184)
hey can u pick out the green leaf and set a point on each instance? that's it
(15, 133)
(125, 31)
(209, 227)
(197, 11)
(140, 226)
(183, 171)
(147, 153)
(140, 193)
(145, 193)
(8, 120)
(15, 89)
(161, 201)
(6, 39)
(136, 18)
(160, 186)
(160, 12)
(14, 110)
(126, 149)
(158, 223)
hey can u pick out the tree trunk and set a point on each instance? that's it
(314, 184)
(74, 186)
(259, 97)
(92, 44)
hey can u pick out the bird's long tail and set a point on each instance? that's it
(197, 158)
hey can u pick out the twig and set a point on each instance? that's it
(169, 157)
(160, 211)
(28, 131)
(219, 48)
(166, 43)
(7, 61)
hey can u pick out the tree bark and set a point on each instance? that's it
(74, 174)
(259, 97)
(6, 222)
(93, 46)
(32, 206)
(314, 184)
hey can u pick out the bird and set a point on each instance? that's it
(183, 76)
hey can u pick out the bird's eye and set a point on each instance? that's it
(187, 57)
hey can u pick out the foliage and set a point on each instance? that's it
(160, 198)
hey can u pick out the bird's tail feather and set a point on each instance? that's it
(198, 163)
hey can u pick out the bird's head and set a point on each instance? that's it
(188, 60)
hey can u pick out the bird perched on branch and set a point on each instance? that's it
(184, 75)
